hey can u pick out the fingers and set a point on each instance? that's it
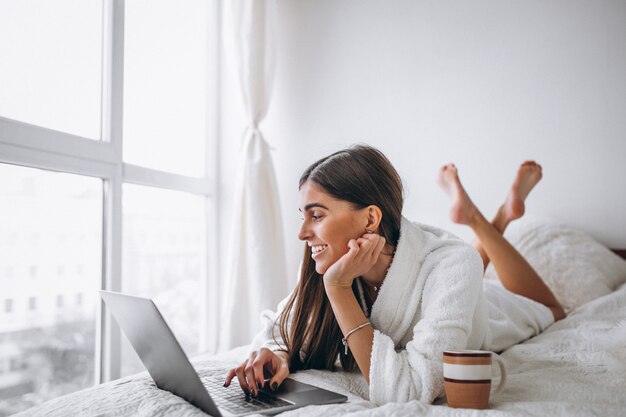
(241, 376)
(241, 373)
(372, 246)
(229, 377)
(251, 372)
(281, 372)
(370, 242)
(353, 246)
(380, 245)
(249, 375)
(263, 357)
(365, 244)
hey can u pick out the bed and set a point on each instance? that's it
(577, 367)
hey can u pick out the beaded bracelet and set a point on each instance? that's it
(344, 340)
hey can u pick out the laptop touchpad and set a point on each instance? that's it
(289, 385)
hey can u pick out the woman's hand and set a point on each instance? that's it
(363, 253)
(260, 365)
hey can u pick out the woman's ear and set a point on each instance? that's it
(374, 217)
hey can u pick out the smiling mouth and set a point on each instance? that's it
(315, 254)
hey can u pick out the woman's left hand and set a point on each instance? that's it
(363, 253)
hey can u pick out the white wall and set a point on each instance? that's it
(485, 84)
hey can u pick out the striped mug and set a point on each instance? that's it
(467, 377)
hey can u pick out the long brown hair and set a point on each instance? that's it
(362, 176)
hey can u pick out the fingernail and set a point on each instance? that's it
(225, 384)
(274, 386)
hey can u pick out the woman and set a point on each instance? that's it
(389, 296)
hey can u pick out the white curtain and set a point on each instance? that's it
(256, 267)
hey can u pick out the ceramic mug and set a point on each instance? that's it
(467, 377)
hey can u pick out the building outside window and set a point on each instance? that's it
(106, 182)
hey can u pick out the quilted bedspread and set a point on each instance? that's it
(577, 367)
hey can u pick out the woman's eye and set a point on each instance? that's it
(316, 218)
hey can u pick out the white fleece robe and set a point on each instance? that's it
(433, 299)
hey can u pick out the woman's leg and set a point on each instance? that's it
(515, 273)
(528, 175)
(500, 224)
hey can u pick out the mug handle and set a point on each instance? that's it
(502, 373)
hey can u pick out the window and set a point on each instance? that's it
(52, 203)
(9, 272)
(39, 88)
(154, 58)
(15, 364)
(106, 170)
(165, 270)
(32, 303)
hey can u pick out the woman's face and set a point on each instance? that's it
(328, 225)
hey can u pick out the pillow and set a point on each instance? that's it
(575, 267)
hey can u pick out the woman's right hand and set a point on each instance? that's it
(261, 364)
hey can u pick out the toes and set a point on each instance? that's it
(531, 165)
(447, 167)
(531, 162)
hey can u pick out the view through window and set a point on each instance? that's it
(57, 86)
(50, 271)
(51, 64)
(163, 258)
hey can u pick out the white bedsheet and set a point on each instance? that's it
(577, 367)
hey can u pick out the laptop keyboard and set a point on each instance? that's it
(235, 400)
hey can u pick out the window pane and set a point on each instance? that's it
(51, 226)
(164, 258)
(51, 65)
(165, 84)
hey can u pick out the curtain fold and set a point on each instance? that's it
(256, 276)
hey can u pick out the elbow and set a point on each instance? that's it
(558, 312)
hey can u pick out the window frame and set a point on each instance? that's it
(34, 146)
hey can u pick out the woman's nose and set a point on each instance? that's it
(304, 232)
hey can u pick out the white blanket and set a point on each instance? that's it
(577, 367)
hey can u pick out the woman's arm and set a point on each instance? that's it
(349, 316)
(361, 256)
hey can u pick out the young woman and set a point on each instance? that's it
(388, 296)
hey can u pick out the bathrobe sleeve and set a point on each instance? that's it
(270, 337)
(450, 294)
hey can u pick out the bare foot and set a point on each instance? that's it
(463, 210)
(527, 177)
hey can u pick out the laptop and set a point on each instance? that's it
(167, 364)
